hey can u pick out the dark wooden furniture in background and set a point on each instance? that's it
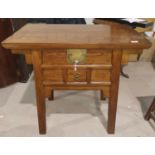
(151, 111)
(8, 74)
(13, 67)
(23, 69)
(47, 46)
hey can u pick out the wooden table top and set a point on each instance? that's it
(36, 36)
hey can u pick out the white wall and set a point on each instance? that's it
(89, 20)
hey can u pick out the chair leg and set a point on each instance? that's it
(124, 74)
(51, 98)
(151, 108)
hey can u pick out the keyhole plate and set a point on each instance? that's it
(76, 55)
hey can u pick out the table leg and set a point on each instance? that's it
(102, 95)
(36, 55)
(51, 98)
(115, 74)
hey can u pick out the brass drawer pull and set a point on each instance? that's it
(76, 56)
(77, 76)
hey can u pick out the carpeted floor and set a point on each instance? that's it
(81, 113)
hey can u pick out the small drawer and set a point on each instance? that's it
(69, 75)
(54, 75)
(58, 75)
(99, 75)
(76, 76)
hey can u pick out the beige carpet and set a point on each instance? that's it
(81, 113)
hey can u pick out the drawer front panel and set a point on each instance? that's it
(54, 75)
(57, 75)
(93, 56)
(99, 56)
(99, 75)
(78, 76)
(55, 57)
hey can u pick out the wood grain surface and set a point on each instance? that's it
(72, 36)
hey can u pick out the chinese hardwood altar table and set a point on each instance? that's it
(75, 57)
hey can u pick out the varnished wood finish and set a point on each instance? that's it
(48, 36)
(126, 52)
(106, 88)
(37, 57)
(102, 56)
(51, 96)
(116, 61)
(102, 97)
(47, 48)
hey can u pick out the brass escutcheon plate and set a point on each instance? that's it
(74, 55)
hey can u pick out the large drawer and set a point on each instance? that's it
(59, 56)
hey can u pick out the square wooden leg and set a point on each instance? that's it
(41, 109)
(51, 98)
(102, 95)
(41, 117)
(115, 74)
